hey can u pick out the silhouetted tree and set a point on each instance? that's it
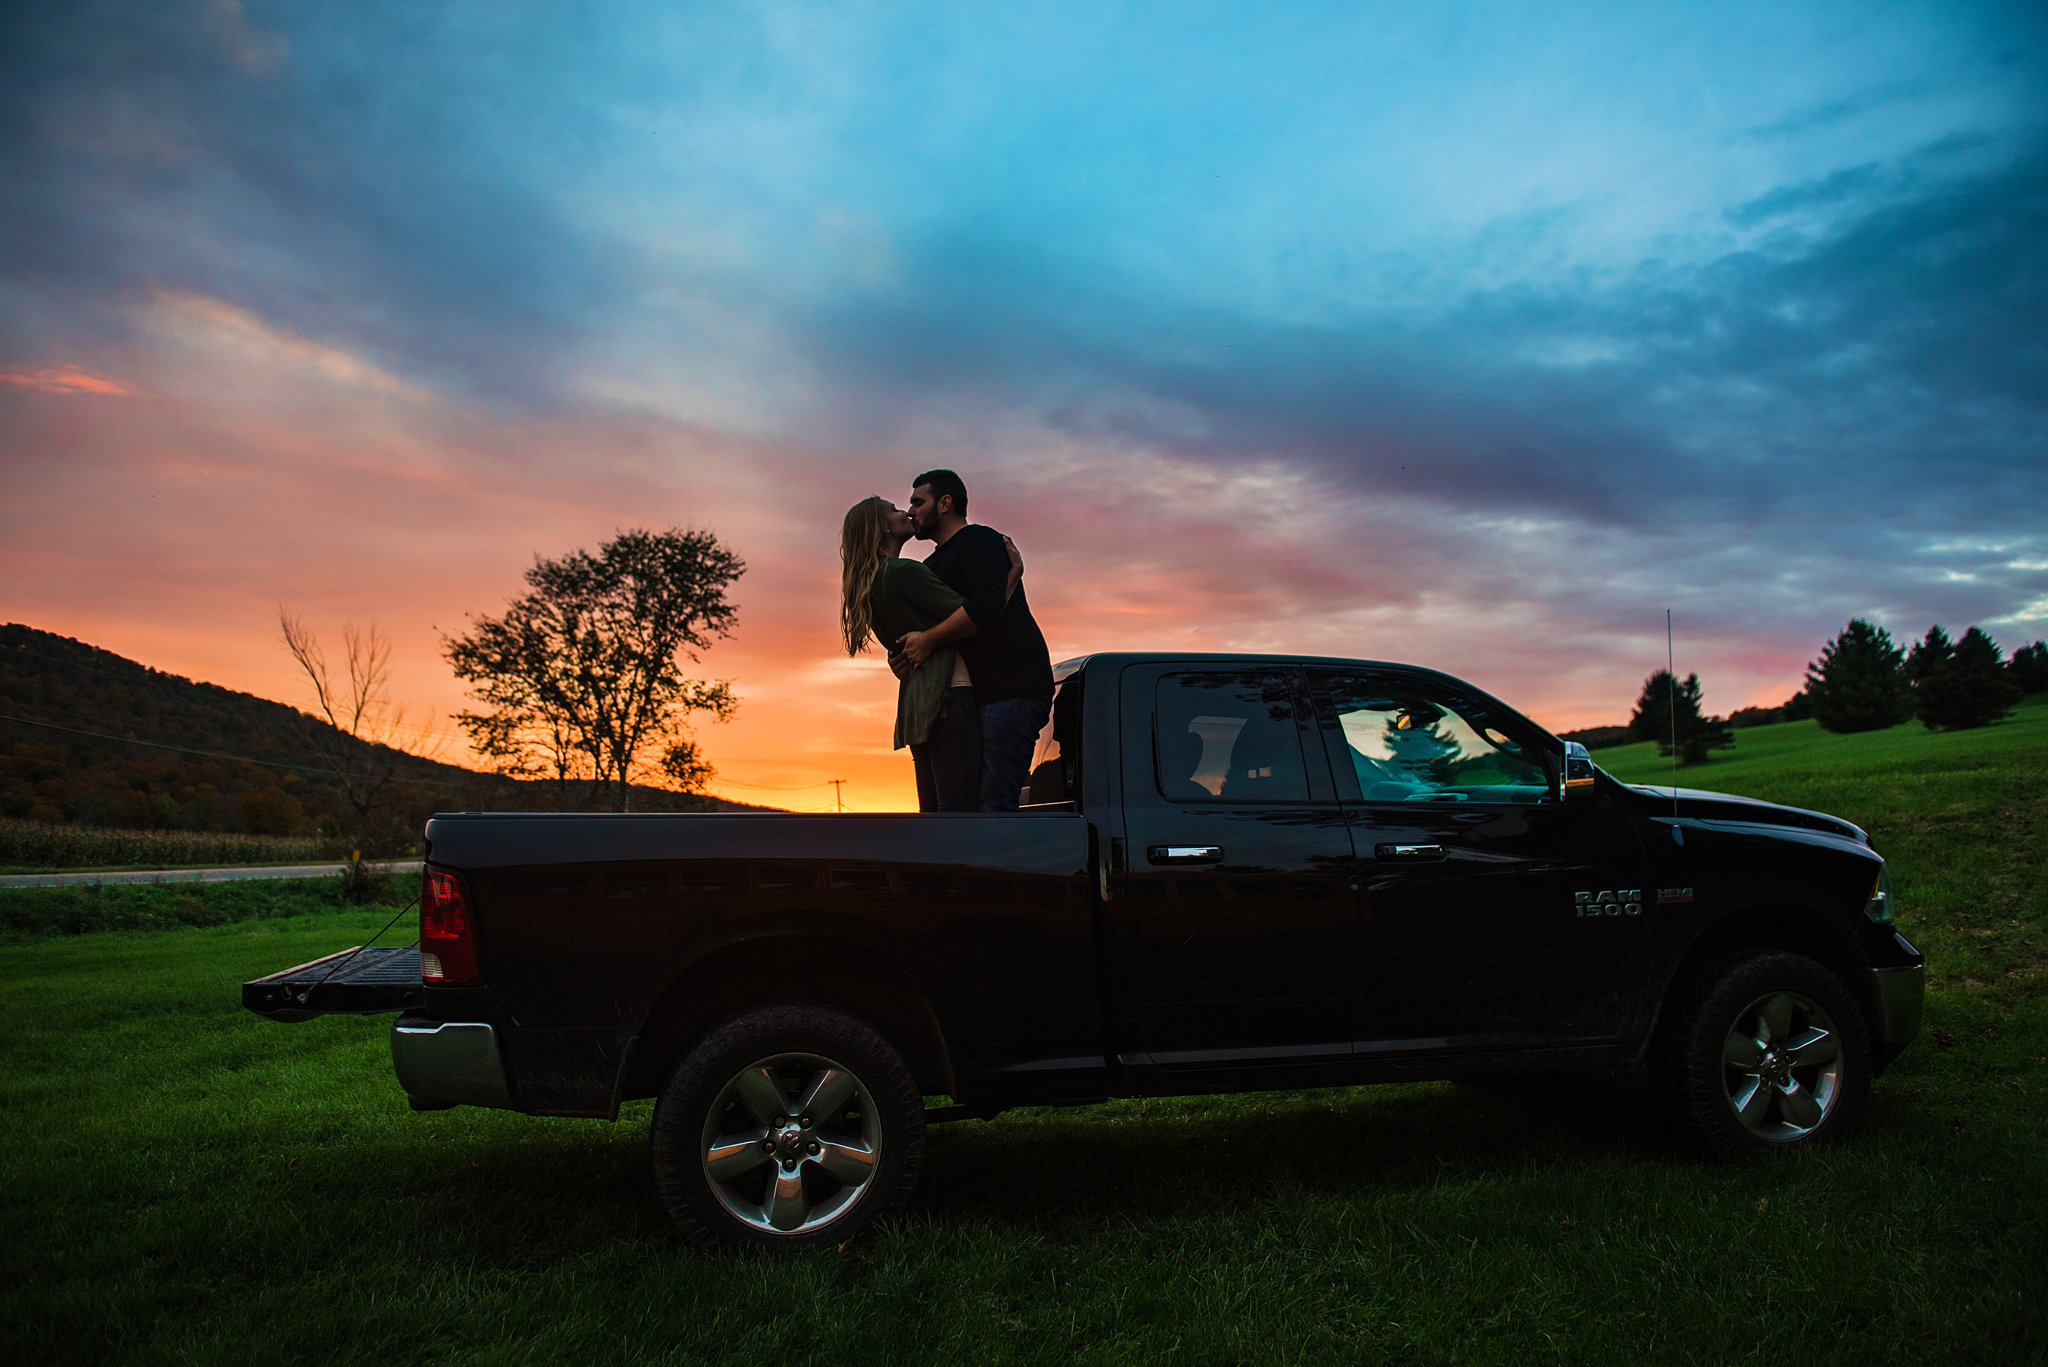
(1695, 734)
(358, 744)
(1928, 657)
(580, 677)
(1857, 684)
(1960, 685)
(2029, 667)
(686, 767)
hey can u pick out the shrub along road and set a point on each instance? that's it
(233, 875)
(185, 1182)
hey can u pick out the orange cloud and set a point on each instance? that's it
(64, 379)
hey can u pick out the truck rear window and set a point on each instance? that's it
(1228, 736)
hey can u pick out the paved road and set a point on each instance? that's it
(58, 880)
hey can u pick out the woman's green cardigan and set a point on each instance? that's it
(908, 597)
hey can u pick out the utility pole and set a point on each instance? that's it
(837, 798)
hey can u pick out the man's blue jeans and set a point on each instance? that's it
(948, 762)
(1009, 733)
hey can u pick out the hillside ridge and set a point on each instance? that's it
(91, 737)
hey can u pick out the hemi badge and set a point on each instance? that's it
(1674, 895)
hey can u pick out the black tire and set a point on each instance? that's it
(823, 1178)
(1765, 1051)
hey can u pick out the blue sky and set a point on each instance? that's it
(1478, 334)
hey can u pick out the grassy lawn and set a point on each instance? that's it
(28, 914)
(183, 1182)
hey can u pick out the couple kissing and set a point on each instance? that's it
(974, 679)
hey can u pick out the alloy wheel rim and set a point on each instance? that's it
(790, 1143)
(1781, 1066)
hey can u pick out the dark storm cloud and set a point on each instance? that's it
(1894, 367)
(362, 199)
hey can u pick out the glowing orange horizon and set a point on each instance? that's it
(167, 519)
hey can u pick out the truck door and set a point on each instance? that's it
(1496, 916)
(1234, 907)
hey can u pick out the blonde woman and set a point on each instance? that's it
(884, 597)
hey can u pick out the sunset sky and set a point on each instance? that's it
(1474, 336)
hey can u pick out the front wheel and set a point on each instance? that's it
(787, 1127)
(1767, 1051)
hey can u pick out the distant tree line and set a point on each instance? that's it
(1862, 681)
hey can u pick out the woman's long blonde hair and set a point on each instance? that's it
(863, 549)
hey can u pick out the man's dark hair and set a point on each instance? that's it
(944, 482)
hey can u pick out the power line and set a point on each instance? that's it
(773, 787)
(216, 754)
(155, 675)
(130, 724)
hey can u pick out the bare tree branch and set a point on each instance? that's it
(359, 740)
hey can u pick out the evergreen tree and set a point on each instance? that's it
(1856, 684)
(1652, 718)
(2029, 667)
(1417, 740)
(1930, 655)
(1961, 685)
(1695, 733)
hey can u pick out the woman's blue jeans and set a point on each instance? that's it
(949, 761)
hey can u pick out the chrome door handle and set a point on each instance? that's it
(1185, 854)
(1409, 854)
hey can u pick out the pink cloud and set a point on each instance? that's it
(64, 379)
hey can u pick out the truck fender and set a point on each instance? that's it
(748, 973)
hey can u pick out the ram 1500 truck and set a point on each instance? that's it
(1228, 873)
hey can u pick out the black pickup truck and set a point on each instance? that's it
(1229, 873)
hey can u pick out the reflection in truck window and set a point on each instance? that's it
(1056, 763)
(1229, 736)
(1408, 746)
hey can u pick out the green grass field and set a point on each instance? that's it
(185, 1183)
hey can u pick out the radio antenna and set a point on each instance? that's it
(1671, 682)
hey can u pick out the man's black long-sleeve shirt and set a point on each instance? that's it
(1006, 656)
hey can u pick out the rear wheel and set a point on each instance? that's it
(787, 1127)
(1767, 1051)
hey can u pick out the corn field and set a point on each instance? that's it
(33, 845)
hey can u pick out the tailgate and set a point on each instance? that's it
(353, 982)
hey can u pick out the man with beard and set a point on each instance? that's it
(997, 639)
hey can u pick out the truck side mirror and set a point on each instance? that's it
(1577, 784)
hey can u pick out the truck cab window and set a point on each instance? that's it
(1408, 743)
(1228, 736)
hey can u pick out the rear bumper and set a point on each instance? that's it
(449, 1063)
(1900, 994)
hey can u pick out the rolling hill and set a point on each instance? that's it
(89, 737)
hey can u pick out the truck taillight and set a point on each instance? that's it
(447, 933)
